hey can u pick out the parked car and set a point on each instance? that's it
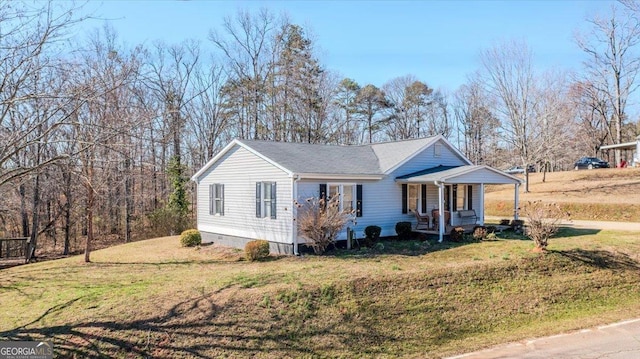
(590, 163)
(519, 170)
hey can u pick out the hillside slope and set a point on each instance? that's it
(155, 299)
(602, 194)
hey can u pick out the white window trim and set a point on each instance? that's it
(218, 196)
(341, 186)
(418, 203)
(265, 188)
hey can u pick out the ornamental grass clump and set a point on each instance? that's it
(544, 221)
(320, 221)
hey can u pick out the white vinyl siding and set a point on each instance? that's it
(240, 170)
(382, 200)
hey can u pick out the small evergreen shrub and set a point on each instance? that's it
(403, 229)
(491, 229)
(256, 250)
(457, 234)
(504, 222)
(479, 233)
(190, 238)
(372, 233)
(517, 225)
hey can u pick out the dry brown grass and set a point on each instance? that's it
(157, 299)
(601, 194)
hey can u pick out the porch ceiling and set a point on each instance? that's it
(460, 175)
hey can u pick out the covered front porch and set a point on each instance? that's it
(444, 197)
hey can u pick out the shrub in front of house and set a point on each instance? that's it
(256, 250)
(403, 229)
(372, 233)
(491, 229)
(517, 225)
(320, 221)
(544, 221)
(479, 233)
(190, 238)
(457, 234)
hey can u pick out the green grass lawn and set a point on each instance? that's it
(155, 299)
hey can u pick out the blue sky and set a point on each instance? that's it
(375, 41)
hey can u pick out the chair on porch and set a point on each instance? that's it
(423, 221)
(436, 217)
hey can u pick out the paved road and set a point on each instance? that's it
(616, 341)
(620, 226)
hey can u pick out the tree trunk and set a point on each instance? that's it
(90, 201)
(23, 211)
(34, 224)
(128, 201)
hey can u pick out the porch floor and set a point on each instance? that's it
(468, 228)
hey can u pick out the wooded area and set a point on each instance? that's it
(99, 139)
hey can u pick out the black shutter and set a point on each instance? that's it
(222, 199)
(423, 190)
(447, 195)
(273, 200)
(454, 203)
(211, 198)
(322, 193)
(469, 197)
(359, 200)
(404, 198)
(258, 200)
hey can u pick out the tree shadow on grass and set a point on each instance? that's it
(601, 259)
(576, 232)
(197, 327)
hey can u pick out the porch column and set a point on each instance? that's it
(516, 200)
(440, 212)
(482, 204)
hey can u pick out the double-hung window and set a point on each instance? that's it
(216, 199)
(266, 199)
(462, 197)
(412, 197)
(345, 193)
(349, 195)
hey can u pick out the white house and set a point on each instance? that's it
(247, 190)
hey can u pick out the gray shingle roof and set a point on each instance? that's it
(373, 159)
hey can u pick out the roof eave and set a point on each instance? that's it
(339, 176)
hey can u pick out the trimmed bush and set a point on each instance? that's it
(256, 250)
(504, 222)
(190, 238)
(517, 225)
(372, 232)
(479, 233)
(403, 229)
(457, 234)
(491, 229)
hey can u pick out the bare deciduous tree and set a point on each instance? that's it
(612, 63)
